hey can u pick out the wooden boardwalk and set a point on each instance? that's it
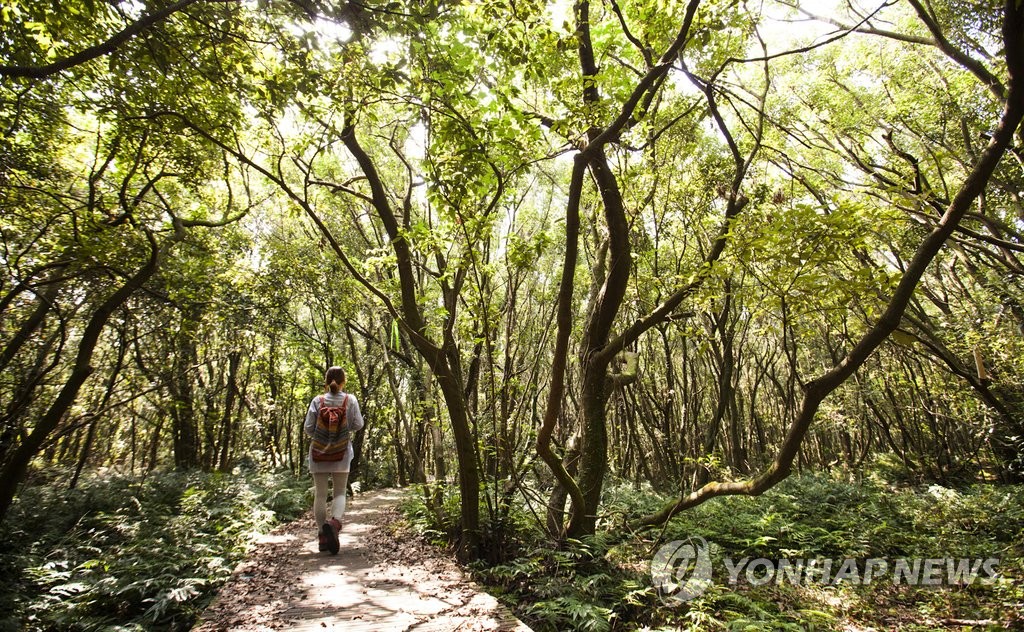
(374, 583)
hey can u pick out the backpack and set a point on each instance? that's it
(331, 436)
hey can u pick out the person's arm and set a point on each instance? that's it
(311, 414)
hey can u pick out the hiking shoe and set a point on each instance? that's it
(324, 538)
(335, 531)
(332, 536)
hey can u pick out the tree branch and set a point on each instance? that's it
(101, 49)
(972, 65)
(561, 352)
(649, 81)
(819, 388)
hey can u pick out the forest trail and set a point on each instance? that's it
(376, 582)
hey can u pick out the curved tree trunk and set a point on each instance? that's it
(16, 466)
(819, 388)
(442, 358)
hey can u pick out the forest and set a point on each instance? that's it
(603, 274)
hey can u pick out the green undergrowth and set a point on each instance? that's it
(604, 582)
(121, 553)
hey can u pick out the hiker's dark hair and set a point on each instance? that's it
(335, 379)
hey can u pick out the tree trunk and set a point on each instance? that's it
(815, 391)
(31, 324)
(183, 416)
(465, 451)
(442, 358)
(15, 468)
(226, 425)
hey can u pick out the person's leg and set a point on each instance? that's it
(339, 482)
(320, 498)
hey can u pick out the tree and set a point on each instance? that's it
(817, 389)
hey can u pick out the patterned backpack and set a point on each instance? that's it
(331, 436)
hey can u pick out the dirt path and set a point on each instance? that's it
(375, 583)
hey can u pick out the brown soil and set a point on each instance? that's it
(376, 582)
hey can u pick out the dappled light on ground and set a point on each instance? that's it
(374, 583)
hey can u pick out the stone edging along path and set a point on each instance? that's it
(374, 583)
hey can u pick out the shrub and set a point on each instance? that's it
(129, 554)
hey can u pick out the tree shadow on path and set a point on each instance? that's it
(374, 583)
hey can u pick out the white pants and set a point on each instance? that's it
(339, 481)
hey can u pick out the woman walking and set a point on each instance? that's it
(331, 421)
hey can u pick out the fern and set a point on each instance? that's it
(125, 555)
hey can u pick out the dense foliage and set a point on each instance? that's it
(603, 582)
(133, 554)
(693, 246)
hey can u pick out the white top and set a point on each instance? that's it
(353, 417)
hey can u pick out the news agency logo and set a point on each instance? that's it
(681, 569)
